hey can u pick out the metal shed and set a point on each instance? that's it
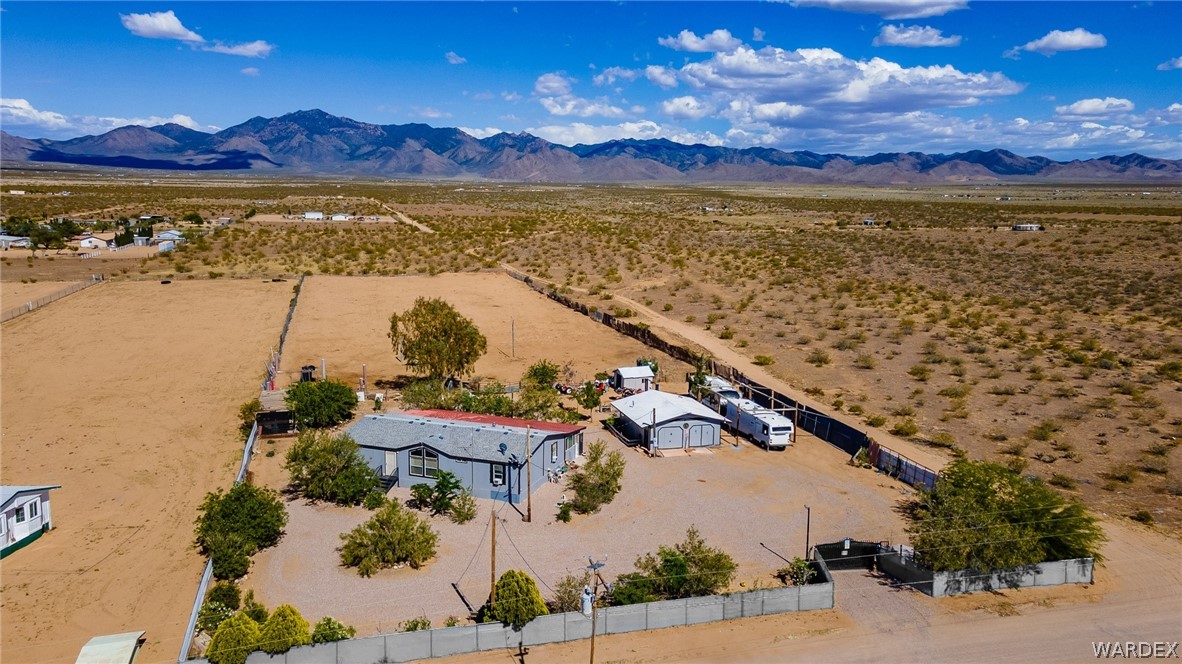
(659, 420)
(639, 377)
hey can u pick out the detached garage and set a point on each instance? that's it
(662, 421)
(639, 377)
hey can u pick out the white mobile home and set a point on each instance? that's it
(24, 516)
(313, 216)
(1026, 227)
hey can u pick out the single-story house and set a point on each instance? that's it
(1026, 227)
(24, 515)
(639, 377)
(662, 421)
(169, 236)
(485, 452)
(13, 242)
(96, 241)
(341, 216)
(313, 216)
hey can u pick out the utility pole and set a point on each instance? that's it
(492, 594)
(513, 338)
(594, 568)
(529, 496)
(795, 421)
(808, 518)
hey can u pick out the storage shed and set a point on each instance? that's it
(24, 516)
(485, 452)
(662, 421)
(639, 377)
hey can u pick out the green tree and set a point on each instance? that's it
(227, 594)
(983, 516)
(697, 380)
(689, 568)
(798, 573)
(284, 630)
(542, 373)
(234, 640)
(193, 218)
(597, 482)
(394, 535)
(518, 600)
(320, 404)
(634, 588)
(231, 526)
(328, 467)
(588, 396)
(329, 629)
(433, 339)
(463, 508)
(447, 486)
(254, 608)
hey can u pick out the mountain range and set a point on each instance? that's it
(315, 142)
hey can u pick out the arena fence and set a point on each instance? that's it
(31, 305)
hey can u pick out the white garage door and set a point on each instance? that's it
(700, 435)
(670, 437)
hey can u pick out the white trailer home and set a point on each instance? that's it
(717, 392)
(761, 425)
(24, 516)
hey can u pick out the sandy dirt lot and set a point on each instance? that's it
(737, 498)
(345, 320)
(126, 395)
(14, 293)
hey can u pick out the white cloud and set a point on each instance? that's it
(662, 76)
(480, 132)
(166, 25)
(580, 107)
(757, 35)
(250, 71)
(454, 58)
(914, 36)
(1175, 63)
(430, 113)
(686, 107)
(889, 9)
(1060, 40)
(510, 96)
(20, 113)
(553, 83)
(715, 42)
(611, 74)
(254, 49)
(159, 25)
(579, 132)
(1094, 108)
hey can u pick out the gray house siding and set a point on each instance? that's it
(476, 474)
(674, 434)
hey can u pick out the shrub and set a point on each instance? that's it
(234, 639)
(420, 495)
(255, 610)
(597, 482)
(393, 536)
(564, 512)
(958, 391)
(284, 630)
(1045, 430)
(865, 361)
(818, 358)
(227, 594)
(798, 573)
(920, 372)
(518, 600)
(329, 630)
(764, 360)
(689, 568)
(374, 499)
(212, 615)
(1062, 481)
(463, 508)
(568, 593)
(1142, 516)
(231, 526)
(328, 467)
(943, 439)
(906, 428)
(321, 404)
(876, 420)
(419, 624)
(1171, 370)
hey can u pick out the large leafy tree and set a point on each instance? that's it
(233, 525)
(597, 482)
(983, 516)
(321, 404)
(518, 600)
(435, 340)
(394, 535)
(328, 467)
(689, 568)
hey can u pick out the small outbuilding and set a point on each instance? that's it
(639, 377)
(1026, 227)
(112, 649)
(485, 452)
(313, 216)
(662, 421)
(24, 516)
(340, 216)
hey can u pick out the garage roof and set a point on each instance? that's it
(640, 408)
(111, 649)
(7, 493)
(641, 371)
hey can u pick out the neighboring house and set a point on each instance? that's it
(341, 217)
(313, 216)
(486, 453)
(169, 236)
(97, 241)
(662, 421)
(1026, 227)
(13, 242)
(111, 649)
(24, 515)
(639, 377)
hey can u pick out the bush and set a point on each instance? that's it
(568, 593)
(920, 372)
(633, 588)
(255, 610)
(212, 615)
(764, 360)
(374, 499)
(328, 467)
(227, 594)
(518, 600)
(329, 630)
(798, 573)
(393, 536)
(876, 420)
(906, 428)
(320, 404)
(231, 526)
(564, 512)
(818, 358)
(1142, 516)
(687, 569)
(284, 630)
(234, 640)
(1045, 430)
(598, 481)
(463, 508)
(415, 624)
(1062, 481)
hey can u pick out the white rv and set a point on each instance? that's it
(762, 425)
(717, 392)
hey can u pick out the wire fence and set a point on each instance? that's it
(32, 305)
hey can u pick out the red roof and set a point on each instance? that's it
(497, 420)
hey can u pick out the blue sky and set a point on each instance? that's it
(1062, 79)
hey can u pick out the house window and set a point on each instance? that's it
(20, 514)
(424, 463)
(570, 445)
(554, 452)
(33, 509)
(497, 474)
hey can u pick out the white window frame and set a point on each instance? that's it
(3, 525)
(554, 452)
(34, 509)
(424, 458)
(495, 470)
(19, 514)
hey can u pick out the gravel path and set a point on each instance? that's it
(737, 498)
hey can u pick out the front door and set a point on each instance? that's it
(391, 467)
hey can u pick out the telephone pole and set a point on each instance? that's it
(492, 594)
(529, 495)
(594, 568)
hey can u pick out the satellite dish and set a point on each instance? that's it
(503, 447)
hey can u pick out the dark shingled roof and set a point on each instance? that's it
(458, 439)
